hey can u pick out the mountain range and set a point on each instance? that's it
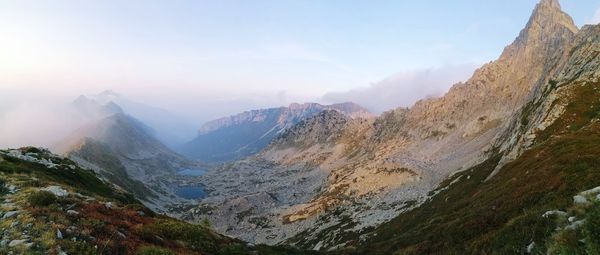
(238, 136)
(506, 162)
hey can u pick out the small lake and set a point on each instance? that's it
(192, 172)
(194, 191)
(191, 192)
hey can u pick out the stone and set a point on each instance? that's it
(59, 234)
(554, 212)
(589, 192)
(72, 212)
(14, 243)
(10, 214)
(579, 199)
(57, 191)
(530, 247)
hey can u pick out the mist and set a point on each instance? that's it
(39, 124)
(44, 115)
(404, 88)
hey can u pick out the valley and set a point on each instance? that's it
(506, 162)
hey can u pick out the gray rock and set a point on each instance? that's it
(580, 199)
(59, 234)
(530, 247)
(57, 191)
(72, 212)
(14, 243)
(10, 214)
(554, 212)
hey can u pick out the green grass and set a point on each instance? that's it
(84, 181)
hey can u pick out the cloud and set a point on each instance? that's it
(596, 18)
(404, 89)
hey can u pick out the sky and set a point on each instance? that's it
(207, 59)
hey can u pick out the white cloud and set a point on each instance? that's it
(404, 89)
(596, 18)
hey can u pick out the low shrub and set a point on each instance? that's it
(42, 198)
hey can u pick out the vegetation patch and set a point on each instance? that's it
(41, 198)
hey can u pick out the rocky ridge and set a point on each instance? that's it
(247, 133)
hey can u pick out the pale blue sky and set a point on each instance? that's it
(189, 55)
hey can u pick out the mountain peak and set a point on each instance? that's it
(550, 3)
(549, 15)
(547, 29)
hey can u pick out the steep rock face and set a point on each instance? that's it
(551, 98)
(515, 201)
(496, 91)
(247, 133)
(379, 168)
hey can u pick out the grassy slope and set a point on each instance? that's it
(124, 227)
(504, 214)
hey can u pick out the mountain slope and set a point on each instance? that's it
(167, 127)
(50, 205)
(517, 205)
(247, 133)
(132, 141)
(378, 169)
(124, 151)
